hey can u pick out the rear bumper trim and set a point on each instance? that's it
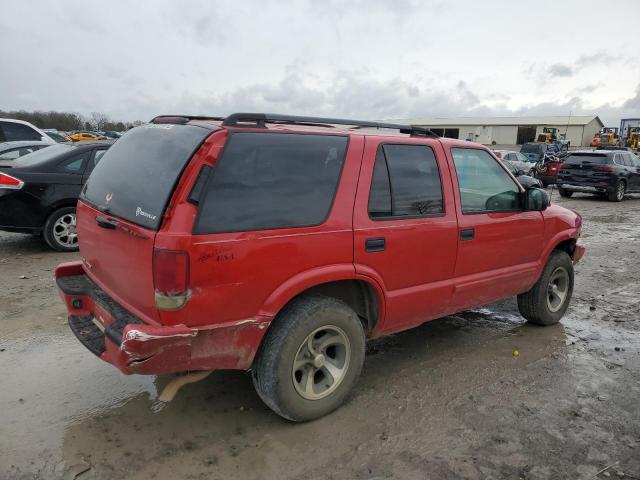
(136, 347)
(582, 188)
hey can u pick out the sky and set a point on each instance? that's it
(369, 59)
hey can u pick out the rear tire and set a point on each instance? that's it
(60, 230)
(548, 300)
(310, 358)
(617, 195)
(565, 193)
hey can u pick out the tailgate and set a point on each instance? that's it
(584, 168)
(122, 206)
(118, 259)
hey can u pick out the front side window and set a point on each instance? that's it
(484, 185)
(405, 183)
(269, 180)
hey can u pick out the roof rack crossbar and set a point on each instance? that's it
(181, 118)
(260, 119)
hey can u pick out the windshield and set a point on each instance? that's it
(42, 155)
(136, 177)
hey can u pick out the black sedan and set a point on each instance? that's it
(39, 191)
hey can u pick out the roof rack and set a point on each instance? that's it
(260, 119)
(181, 119)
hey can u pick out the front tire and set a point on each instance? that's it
(310, 358)
(60, 230)
(617, 195)
(565, 193)
(548, 300)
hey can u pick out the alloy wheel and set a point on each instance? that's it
(64, 231)
(558, 289)
(321, 363)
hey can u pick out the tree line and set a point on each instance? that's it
(67, 121)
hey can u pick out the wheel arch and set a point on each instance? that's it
(54, 207)
(363, 294)
(564, 242)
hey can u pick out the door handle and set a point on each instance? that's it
(374, 244)
(467, 234)
(106, 223)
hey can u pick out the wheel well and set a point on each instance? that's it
(568, 246)
(58, 206)
(358, 294)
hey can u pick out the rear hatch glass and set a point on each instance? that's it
(586, 158)
(136, 177)
(532, 148)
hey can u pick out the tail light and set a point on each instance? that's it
(603, 168)
(170, 279)
(9, 182)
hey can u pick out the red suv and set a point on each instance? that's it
(280, 244)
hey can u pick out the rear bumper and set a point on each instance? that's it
(118, 337)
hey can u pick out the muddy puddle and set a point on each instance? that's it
(446, 400)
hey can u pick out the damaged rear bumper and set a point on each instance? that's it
(120, 338)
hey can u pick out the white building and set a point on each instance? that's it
(579, 129)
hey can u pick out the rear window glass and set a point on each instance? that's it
(532, 148)
(272, 180)
(586, 158)
(137, 175)
(43, 155)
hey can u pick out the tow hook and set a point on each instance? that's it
(171, 389)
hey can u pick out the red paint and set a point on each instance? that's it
(238, 282)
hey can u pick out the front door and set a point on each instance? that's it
(405, 228)
(499, 243)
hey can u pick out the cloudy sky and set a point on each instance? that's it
(360, 58)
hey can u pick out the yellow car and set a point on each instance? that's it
(77, 137)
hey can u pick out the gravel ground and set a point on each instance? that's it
(446, 400)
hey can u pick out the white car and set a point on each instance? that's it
(18, 130)
(517, 159)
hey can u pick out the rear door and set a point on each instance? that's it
(405, 228)
(122, 207)
(499, 243)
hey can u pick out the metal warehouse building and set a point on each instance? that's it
(511, 130)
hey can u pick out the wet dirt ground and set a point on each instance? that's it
(446, 400)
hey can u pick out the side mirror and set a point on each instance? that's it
(536, 199)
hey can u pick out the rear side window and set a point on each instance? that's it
(405, 183)
(137, 175)
(271, 180)
(75, 164)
